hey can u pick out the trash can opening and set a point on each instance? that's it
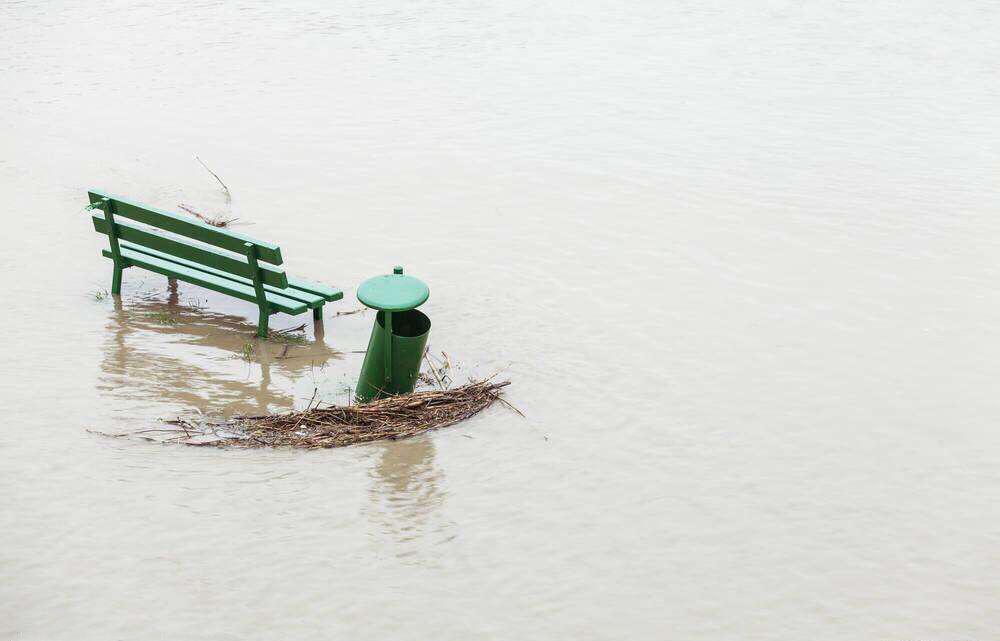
(409, 324)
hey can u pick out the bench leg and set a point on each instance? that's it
(318, 323)
(262, 323)
(116, 281)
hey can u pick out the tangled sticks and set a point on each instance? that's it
(336, 426)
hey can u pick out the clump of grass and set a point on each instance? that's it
(101, 294)
(248, 351)
(162, 317)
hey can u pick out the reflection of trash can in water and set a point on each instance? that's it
(396, 347)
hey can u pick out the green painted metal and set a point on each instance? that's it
(269, 287)
(170, 269)
(218, 272)
(392, 362)
(207, 256)
(329, 293)
(395, 349)
(185, 226)
(310, 299)
(393, 292)
(291, 291)
(116, 252)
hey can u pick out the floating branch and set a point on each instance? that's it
(214, 221)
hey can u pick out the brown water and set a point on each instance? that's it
(740, 261)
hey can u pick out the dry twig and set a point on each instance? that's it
(229, 196)
(353, 311)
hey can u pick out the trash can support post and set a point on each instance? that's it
(388, 348)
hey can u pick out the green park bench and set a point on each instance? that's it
(220, 260)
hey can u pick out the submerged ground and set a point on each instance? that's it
(739, 259)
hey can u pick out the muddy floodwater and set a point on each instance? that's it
(740, 261)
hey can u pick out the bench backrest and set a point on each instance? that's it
(204, 254)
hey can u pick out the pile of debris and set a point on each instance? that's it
(339, 425)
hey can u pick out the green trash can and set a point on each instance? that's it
(396, 347)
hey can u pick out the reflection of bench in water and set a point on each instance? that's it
(166, 352)
(220, 260)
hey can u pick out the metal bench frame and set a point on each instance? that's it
(221, 260)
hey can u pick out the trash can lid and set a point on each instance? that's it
(393, 292)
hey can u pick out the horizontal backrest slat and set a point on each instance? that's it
(185, 226)
(202, 255)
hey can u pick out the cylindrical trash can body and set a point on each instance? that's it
(409, 337)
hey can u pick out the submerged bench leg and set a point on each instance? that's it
(318, 323)
(172, 297)
(116, 281)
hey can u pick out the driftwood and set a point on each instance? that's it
(215, 221)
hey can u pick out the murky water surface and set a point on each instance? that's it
(739, 259)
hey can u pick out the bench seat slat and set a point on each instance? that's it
(164, 245)
(310, 299)
(329, 293)
(207, 280)
(185, 226)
